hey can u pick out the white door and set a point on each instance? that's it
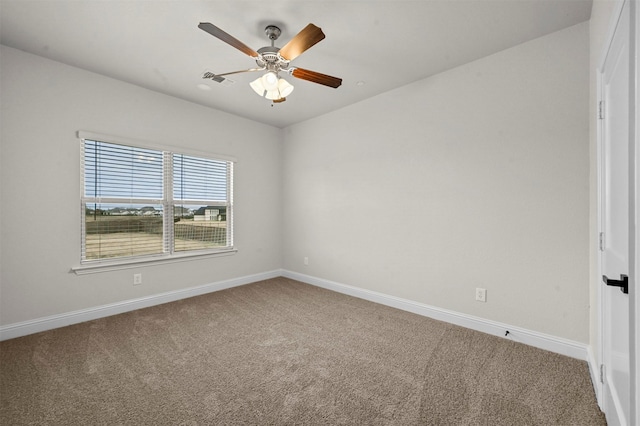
(615, 224)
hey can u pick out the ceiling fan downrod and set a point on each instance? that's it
(272, 33)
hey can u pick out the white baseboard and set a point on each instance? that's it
(594, 370)
(532, 338)
(61, 320)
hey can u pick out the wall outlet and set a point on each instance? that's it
(137, 279)
(481, 294)
(306, 260)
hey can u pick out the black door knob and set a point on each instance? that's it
(623, 283)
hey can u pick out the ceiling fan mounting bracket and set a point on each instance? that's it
(272, 32)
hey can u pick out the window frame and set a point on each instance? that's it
(169, 254)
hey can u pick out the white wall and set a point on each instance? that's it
(43, 104)
(476, 177)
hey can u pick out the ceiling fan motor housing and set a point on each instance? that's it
(270, 59)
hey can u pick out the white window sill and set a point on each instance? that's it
(116, 265)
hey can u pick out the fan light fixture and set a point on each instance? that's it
(271, 86)
(273, 60)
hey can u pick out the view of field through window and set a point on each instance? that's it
(118, 228)
(124, 231)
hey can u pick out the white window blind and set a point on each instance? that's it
(201, 187)
(139, 202)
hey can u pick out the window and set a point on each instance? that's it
(140, 203)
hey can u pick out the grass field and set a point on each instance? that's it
(127, 236)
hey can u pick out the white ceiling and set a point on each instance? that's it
(373, 46)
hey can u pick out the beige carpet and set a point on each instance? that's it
(280, 352)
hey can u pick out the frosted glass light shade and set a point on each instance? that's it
(270, 80)
(281, 89)
(284, 87)
(257, 86)
(272, 95)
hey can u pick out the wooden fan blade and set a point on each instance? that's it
(212, 75)
(227, 38)
(316, 77)
(306, 38)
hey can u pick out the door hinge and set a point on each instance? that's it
(601, 110)
(601, 373)
(601, 242)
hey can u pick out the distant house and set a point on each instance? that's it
(182, 211)
(211, 213)
(149, 211)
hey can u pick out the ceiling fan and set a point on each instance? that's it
(274, 60)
